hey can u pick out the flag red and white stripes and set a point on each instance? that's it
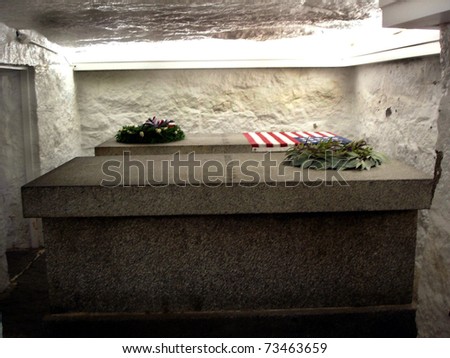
(282, 139)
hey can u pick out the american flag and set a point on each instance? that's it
(279, 140)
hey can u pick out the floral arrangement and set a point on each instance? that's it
(152, 131)
(334, 154)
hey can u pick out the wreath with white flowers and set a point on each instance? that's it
(151, 132)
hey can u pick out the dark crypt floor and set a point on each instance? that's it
(26, 303)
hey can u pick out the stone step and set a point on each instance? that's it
(198, 143)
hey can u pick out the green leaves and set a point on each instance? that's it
(335, 155)
(149, 134)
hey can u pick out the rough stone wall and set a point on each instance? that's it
(57, 118)
(12, 225)
(14, 229)
(433, 316)
(215, 101)
(57, 112)
(396, 107)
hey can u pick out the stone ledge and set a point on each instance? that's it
(198, 143)
(75, 190)
(368, 322)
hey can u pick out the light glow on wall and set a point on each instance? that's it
(335, 48)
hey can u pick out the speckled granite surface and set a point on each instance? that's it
(198, 143)
(279, 238)
(230, 262)
(218, 184)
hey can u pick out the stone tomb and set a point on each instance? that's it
(198, 143)
(280, 252)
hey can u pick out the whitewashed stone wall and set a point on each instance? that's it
(398, 103)
(396, 107)
(57, 112)
(215, 101)
(57, 118)
(433, 316)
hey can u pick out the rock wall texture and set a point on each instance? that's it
(396, 107)
(402, 108)
(57, 125)
(57, 112)
(215, 101)
(14, 229)
(433, 316)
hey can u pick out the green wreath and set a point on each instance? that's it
(151, 132)
(333, 154)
